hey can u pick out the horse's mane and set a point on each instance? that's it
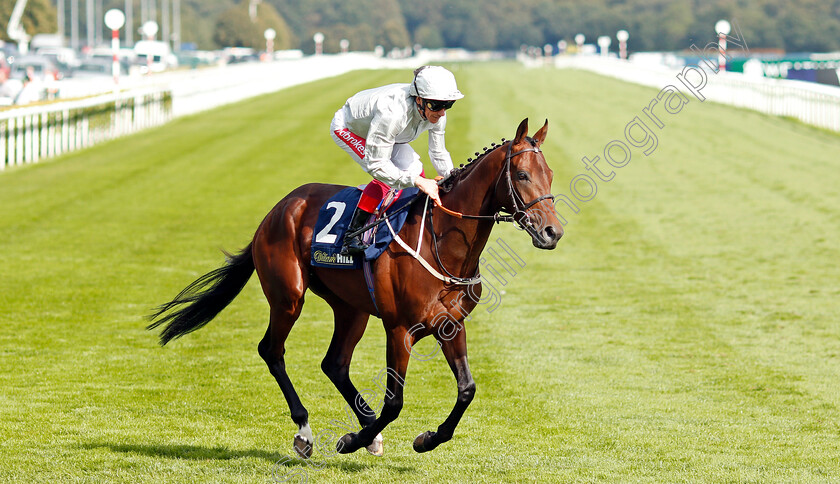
(459, 173)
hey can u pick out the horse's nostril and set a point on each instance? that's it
(549, 231)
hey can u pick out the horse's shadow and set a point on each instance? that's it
(197, 452)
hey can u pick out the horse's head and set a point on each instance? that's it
(524, 187)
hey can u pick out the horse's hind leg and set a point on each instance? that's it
(350, 326)
(284, 282)
(272, 350)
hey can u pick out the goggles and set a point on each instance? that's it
(438, 105)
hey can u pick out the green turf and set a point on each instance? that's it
(685, 329)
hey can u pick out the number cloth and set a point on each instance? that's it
(333, 219)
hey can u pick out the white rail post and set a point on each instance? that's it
(12, 158)
(86, 135)
(51, 144)
(44, 134)
(72, 122)
(27, 139)
(20, 142)
(65, 131)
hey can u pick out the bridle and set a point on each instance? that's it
(519, 207)
(519, 216)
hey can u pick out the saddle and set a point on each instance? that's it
(334, 218)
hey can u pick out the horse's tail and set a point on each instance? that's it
(204, 299)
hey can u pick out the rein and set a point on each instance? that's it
(448, 278)
(385, 217)
(520, 207)
(519, 216)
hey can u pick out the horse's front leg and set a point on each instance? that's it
(455, 351)
(398, 354)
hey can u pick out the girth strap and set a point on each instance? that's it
(368, 271)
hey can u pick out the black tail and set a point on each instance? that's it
(203, 303)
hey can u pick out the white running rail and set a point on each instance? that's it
(812, 103)
(32, 133)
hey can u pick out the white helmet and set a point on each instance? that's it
(435, 82)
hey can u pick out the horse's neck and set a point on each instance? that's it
(475, 191)
(460, 241)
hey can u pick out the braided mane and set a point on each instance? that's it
(459, 173)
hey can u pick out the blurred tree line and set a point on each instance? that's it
(791, 25)
(666, 25)
(39, 16)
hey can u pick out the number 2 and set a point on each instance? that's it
(324, 236)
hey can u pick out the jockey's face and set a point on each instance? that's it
(432, 116)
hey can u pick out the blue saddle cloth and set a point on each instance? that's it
(333, 220)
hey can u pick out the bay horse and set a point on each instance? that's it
(409, 288)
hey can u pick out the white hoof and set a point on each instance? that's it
(302, 447)
(376, 448)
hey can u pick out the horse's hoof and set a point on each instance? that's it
(376, 448)
(302, 447)
(423, 442)
(348, 443)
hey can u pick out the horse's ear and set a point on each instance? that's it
(539, 137)
(521, 131)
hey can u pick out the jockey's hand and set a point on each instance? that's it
(438, 178)
(429, 187)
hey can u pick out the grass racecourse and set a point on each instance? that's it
(685, 329)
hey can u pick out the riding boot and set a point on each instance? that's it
(354, 245)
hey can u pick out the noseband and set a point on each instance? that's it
(520, 215)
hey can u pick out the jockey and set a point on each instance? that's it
(375, 126)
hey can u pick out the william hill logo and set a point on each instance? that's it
(322, 257)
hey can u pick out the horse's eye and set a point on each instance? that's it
(522, 175)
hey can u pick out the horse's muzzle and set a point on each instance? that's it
(548, 237)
